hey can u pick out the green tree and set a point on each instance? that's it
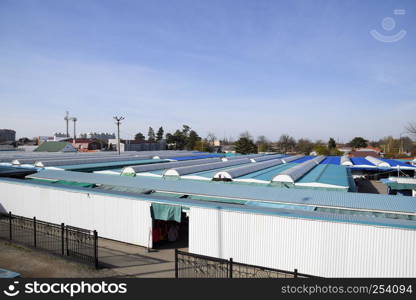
(263, 145)
(192, 139)
(169, 138)
(170, 141)
(179, 139)
(332, 144)
(304, 146)
(321, 150)
(160, 133)
(151, 135)
(245, 145)
(185, 130)
(358, 142)
(139, 137)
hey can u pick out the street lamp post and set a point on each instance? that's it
(118, 122)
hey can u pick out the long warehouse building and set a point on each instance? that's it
(318, 232)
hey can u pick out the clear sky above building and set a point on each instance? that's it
(306, 68)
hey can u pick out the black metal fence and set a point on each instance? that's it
(189, 265)
(72, 242)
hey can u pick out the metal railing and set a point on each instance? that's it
(60, 239)
(189, 265)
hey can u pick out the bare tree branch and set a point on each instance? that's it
(411, 128)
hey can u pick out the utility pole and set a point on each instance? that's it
(75, 134)
(118, 122)
(67, 118)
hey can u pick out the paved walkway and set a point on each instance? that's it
(134, 261)
(371, 186)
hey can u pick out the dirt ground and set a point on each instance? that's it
(34, 263)
(116, 260)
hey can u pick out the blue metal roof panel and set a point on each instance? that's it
(361, 161)
(395, 163)
(333, 160)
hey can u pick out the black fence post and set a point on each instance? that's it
(96, 249)
(176, 264)
(34, 232)
(295, 274)
(231, 267)
(10, 226)
(67, 240)
(62, 239)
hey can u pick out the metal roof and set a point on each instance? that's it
(327, 174)
(293, 174)
(345, 161)
(395, 163)
(266, 175)
(31, 157)
(303, 159)
(132, 170)
(379, 163)
(304, 214)
(232, 173)
(372, 202)
(112, 165)
(179, 158)
(180, 171)
(361, 161)
(333, 160)
(9, 171)
(267, 157)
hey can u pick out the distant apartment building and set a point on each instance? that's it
(58, 136)
(99, 136)
(133, 145)
(7, 136)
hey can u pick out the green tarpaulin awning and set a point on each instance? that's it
(166, 212)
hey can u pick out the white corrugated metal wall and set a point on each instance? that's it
(320, 248)
(117, 218)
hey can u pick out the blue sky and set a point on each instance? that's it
(306, 68)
